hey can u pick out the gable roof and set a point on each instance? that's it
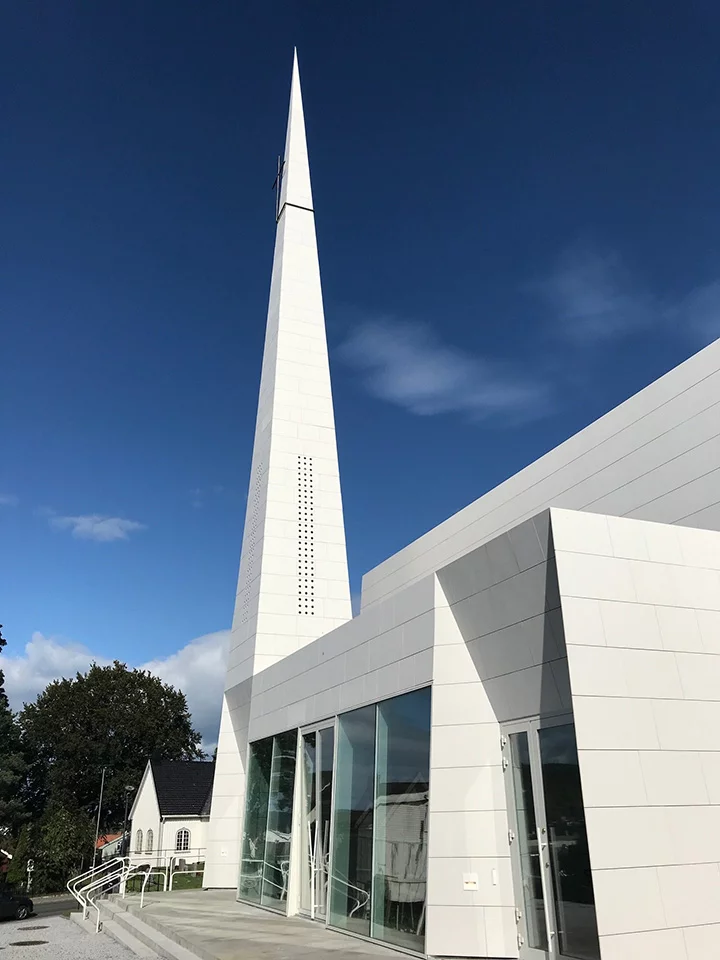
(183, 787)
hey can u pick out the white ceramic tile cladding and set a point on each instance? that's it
(647, 458)
(645, 684)
(293, 584)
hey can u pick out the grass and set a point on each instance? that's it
(187, 881)
(182, 881)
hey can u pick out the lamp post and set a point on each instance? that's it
(97, 827)
(126, 844)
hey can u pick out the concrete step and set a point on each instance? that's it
(126, 915)
(112, 928)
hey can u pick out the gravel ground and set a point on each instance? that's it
(65, 941)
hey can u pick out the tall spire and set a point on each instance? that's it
(293, 585)
(295, 180)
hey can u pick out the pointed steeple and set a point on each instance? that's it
(295, 181)
(294, 584)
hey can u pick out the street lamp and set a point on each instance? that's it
(126, 845)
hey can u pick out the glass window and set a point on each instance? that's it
(276, 867)
(309, 833)
(528, 845)
(402, 781)
(568, 845)
(351, 868)
(182, 840)
(255, 824)
(149, 842)
(267, 827)
(138, 841)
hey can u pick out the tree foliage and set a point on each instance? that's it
(109, 717)
(12, 765)
(60, 845)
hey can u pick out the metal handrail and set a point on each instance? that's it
(148, 874)
(72, 884)
(119, 875)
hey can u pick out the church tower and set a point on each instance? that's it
(293, 585)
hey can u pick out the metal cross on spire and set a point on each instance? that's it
(277, 186)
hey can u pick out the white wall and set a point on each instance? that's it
(381, 654)
(198, 827)
(145, 815)
(654, 457)
(641, 609)
(222, 864)
(499, 657)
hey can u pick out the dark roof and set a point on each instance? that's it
(183, 787)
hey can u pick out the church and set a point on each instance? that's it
(513, 750)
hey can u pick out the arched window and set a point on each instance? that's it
(138, 842)
(149, 842)
(182, 840)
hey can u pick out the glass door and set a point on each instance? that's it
(318, 756)
(549, 850)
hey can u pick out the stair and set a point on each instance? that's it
(133, 933)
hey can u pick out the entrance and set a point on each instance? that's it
(549, 850)
(318, 754)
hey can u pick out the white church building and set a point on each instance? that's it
(513, 751)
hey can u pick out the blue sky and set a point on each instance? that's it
(518, 218)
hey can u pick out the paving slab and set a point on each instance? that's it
(214, 926)
(56, 938)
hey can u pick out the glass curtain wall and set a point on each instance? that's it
(379, 864)
(309, 826)
(568, 845)
(351, 869)
(317, 789)
(264, 867)
(402, 782)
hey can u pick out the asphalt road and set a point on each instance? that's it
(55, 907)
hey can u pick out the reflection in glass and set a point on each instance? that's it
(527, 840)
(307, 871)
(401, 820)
(255, 825)
(279, 822)
(322, 849)
(351, 870)
(569, 856)
(317, 791)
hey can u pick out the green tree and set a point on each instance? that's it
(12, 765)
(109, 717)
(60, 845)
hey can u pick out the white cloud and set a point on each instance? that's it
(699, 312)
(408, 365)
(594, 298)
(8, 500)
(95, 526)
(198, 669)
(45, 659)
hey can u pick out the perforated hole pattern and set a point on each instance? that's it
(306, 538)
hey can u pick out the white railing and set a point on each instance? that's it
(148, 874)
(88, 887)
(77, 884)
(93, 891)
(164, 857)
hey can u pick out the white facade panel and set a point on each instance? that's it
(647, 458)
